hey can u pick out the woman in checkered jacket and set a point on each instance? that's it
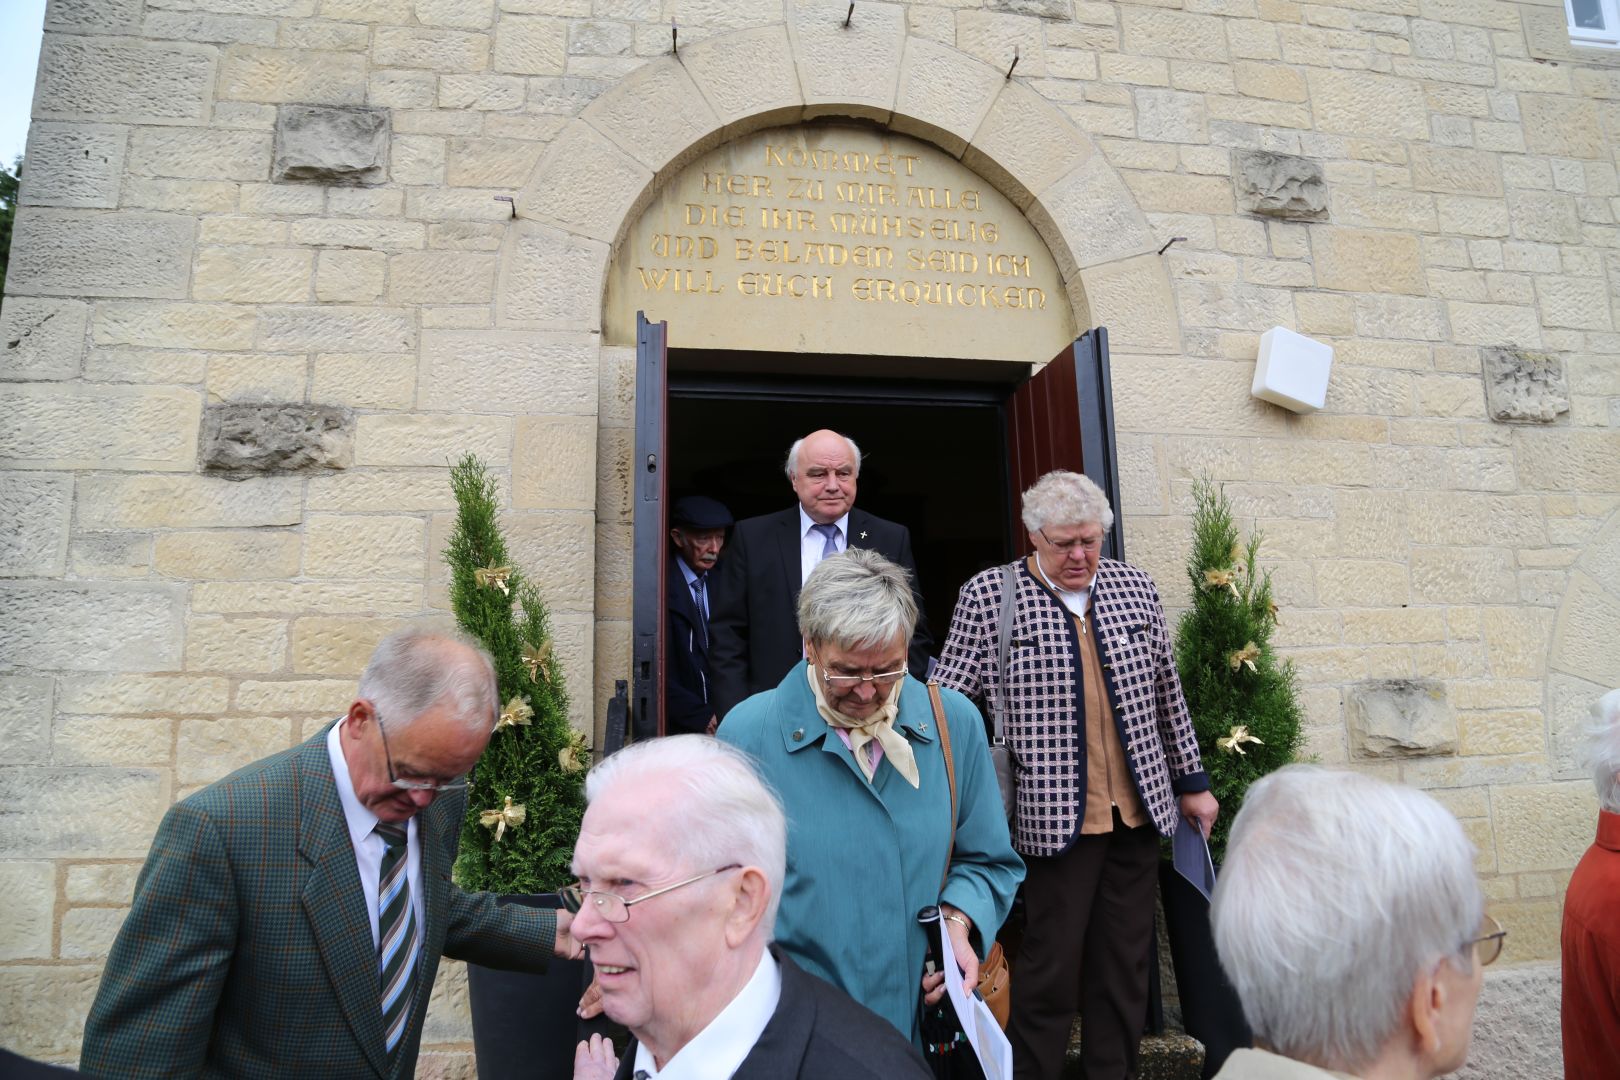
(1106, 763)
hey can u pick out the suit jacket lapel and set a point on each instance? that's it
(859, 528)
(335, 904)
(683, 605)
(789, 542)
(781, 1047)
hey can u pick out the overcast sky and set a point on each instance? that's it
(20, 22)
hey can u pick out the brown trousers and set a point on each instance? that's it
(1089, 917)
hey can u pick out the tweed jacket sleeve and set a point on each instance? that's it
(1176, 730)
(155, 1009)
(510, 937)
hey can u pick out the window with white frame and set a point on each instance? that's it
(1594, 22)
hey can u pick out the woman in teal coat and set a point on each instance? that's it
(850, 743)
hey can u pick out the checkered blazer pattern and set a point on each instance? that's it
(247, 951)
(1044, 718)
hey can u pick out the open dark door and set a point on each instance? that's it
(1063, 418)
(648, 505)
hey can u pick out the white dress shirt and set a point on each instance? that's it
(720, 1048)
(812, 544)
(369, 848)
(1073, 599)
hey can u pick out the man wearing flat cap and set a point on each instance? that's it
(697, 533)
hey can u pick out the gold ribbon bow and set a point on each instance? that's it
(571, 758)
(1220, 579)
(1233, 743)
(537, 660)
(517, 711)
(494, 575)
(1246, 655)
(511, 814)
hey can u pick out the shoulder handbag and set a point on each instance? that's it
(995, 977)
(1002, 758)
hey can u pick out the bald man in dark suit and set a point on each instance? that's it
(754, 632)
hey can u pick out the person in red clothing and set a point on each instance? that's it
(1591, 938)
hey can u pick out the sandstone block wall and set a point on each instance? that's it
(160, 624)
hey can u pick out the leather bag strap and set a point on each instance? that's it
(1009, 586)
(950, 770)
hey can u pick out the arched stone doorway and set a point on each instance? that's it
(609, 164)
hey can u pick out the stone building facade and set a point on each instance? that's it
(360, 237)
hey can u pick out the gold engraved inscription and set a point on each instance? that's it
(800, 222)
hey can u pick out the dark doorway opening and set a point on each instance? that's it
(933, 449)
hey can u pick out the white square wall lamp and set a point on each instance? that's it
(1292, 370)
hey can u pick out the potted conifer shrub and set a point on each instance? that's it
(1245, 709)
(526, 796)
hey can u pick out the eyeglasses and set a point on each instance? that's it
(615, 908)
(1068, 546)
(455, 784)
(1488, 944)
(845, 682)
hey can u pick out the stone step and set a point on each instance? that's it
(1171, 1056)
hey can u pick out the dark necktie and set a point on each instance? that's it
(396, 935)
(702, 609)
(830, 548)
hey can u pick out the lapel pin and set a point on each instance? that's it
(1124, 639)
(922, 729)
(863, 534)
(798, 736)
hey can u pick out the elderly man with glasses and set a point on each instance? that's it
(1351, 923)
(290, 917)
(877, 830)
(681, 860)
(1071, 651)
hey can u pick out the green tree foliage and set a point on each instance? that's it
(9, 183)
(1229, 674)
(538, 764)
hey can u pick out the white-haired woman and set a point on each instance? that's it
(1107, 763)
(852, 745)
(1351, 923)
(1591, 937)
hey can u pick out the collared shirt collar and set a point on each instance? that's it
(721, 1047)
(361, 821)
(1073, 599)
(806, 523)
(686, 571)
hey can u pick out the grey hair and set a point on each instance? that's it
(791, 467)
(1066, 498)
(730, 814)
(857, 600)
(1603, 750)
(1337, 891)
(414, 669)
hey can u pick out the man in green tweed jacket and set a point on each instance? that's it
(290, 917)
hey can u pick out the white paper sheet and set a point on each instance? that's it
(989, 1042)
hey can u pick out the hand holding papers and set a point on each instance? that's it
(984, 1035)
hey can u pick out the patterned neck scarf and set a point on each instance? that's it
(878, 726)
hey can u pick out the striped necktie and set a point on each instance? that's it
(397, 944)
(702, 605)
